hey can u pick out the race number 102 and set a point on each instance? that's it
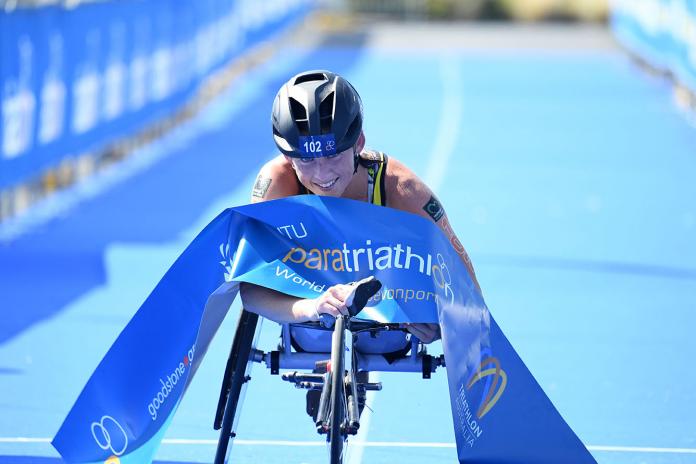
(313, 146)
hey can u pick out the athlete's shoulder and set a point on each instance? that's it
(408, 192)
(276, 179)
(403, 185)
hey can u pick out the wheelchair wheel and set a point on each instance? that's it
(337, 410)
(234, 381)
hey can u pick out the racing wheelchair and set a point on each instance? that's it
(337, 382)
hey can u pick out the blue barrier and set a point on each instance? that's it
(662, 32)
(73, 80)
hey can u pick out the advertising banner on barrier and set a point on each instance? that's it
(19, 83)
(74, 79)
(53, 91)
(301, 246)
(661, 32)
(687, 46)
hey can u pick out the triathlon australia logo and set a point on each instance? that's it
(469, 423)
(497, 380)
(226, 261)
(110, 436)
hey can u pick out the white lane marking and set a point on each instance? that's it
(317, 443)
(355, 451)
(366, 444)
(183, 441)
(441, 152)
(641, 449)
(450, 122)
(24, 440)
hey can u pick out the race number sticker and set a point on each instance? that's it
(316, 146)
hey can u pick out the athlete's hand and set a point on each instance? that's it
(427, 333)
(333, 300)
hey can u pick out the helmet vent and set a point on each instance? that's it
(299, 114)
(310, 78)
(303, 127)
(353, 131)
(326, 110)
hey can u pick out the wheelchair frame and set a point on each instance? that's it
(243, 354)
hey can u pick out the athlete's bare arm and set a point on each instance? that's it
(275, 180)
(405, 191)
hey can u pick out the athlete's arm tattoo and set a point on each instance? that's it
(459, 248)
(261, 186)
(434, 208)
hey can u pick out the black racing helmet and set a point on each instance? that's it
(316, 113)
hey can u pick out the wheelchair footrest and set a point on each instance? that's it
(299, 378)
(311, 385)
(377, 386)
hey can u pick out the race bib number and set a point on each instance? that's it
(316, 146)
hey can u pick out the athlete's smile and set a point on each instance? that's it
(326, 185)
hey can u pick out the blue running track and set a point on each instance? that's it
(570, 178)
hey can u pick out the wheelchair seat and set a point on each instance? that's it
(391, 344)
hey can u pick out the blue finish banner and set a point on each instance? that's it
(73, 80)
(301, 246)
(661, 32)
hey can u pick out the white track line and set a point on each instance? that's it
(24, 440)
(366, 444)
(639, 449)
(354, 454)
(441, 152)
(450, 122)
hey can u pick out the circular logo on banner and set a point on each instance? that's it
(103, 435)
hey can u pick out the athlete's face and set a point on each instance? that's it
(328, 175)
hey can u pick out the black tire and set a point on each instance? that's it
(233, 381)
(337, 410)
